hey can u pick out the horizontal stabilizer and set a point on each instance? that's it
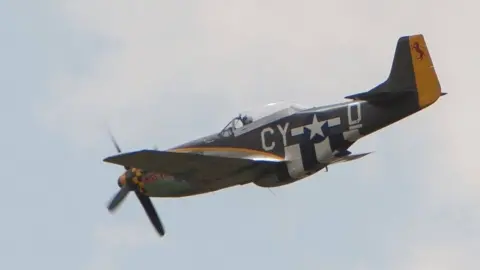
(379, 95)
(350, 157)
(356, 156)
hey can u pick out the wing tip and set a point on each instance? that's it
(116, 159)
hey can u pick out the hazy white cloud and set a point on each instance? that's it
(171, 59)
(430, 257)
(111, 244)
(177, 70)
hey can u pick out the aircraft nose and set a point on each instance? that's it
(122, 180)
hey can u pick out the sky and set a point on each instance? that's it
(164, 72)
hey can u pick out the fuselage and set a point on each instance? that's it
(309, 140)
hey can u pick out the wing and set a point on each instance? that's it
(190, 166)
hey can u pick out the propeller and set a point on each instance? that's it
(131, 180)
(112, 138)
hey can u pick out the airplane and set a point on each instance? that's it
(282, 143)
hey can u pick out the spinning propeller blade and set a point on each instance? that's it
(151, 212)
(112, 138)
(127, 184)
(118, 198)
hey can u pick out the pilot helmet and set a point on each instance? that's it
(246, 119)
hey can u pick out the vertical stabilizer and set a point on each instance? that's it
(412, 71)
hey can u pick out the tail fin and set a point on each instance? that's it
(412, 71)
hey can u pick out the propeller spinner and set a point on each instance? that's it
(131, 181)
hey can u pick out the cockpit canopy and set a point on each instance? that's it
(261, 116)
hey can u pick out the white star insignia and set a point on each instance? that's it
(315, 127)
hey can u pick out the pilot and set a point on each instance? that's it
(246, 120)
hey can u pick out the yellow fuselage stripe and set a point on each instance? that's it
(227, 149)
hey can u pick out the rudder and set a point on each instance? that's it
(427, 83)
